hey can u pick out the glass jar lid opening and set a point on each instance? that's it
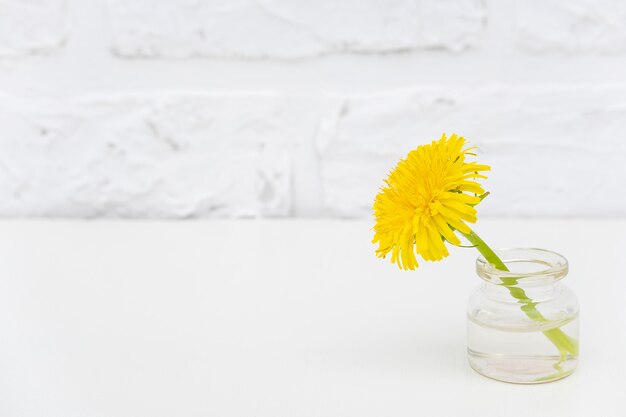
(532, 266)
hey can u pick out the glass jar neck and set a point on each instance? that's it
(527, 268)
(521, 294)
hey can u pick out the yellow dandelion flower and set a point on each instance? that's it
(427, 197)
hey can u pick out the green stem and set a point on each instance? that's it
(485, 250)
(563, 342)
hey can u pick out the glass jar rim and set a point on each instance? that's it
(554, 266)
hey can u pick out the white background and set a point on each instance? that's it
(177, 109)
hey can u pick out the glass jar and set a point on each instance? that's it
(522, 324)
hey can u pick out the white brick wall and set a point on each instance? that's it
(553, 150)
(31, 27)
(190, 108)
(136, 156)
(289, 29)
(572, 26)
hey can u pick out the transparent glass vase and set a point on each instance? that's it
(522, 324)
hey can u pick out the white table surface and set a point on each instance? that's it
(279, 318)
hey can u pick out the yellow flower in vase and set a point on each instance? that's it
(427, 199)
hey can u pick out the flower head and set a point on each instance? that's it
(427, 197)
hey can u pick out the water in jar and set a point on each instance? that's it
(521, 354)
